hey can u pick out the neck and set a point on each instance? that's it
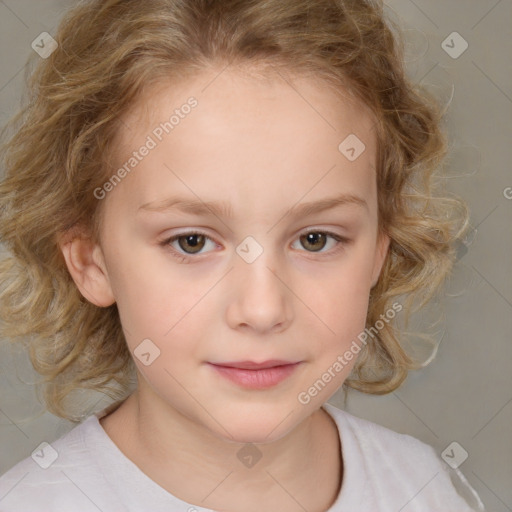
(300, 470)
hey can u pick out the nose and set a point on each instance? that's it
(259, 299)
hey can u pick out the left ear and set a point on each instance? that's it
(381, 251)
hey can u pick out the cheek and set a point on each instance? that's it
(343, 312)
(159, 306)
(340, 305)
(339, 296)
(166, 308)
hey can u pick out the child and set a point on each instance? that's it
(231, 201)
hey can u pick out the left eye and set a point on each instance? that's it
(316, 241)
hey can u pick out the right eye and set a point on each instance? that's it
(188, 243)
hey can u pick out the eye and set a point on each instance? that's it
(185, 245)
(189, 243)
(317, 241)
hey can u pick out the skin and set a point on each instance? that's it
(263, 148)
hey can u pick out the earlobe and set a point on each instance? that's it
(380, 256)
(86, 264)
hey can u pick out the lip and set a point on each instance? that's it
(251, 365)
(252, 375)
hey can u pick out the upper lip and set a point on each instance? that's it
(251, 365)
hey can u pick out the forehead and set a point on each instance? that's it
(247, 135)
(268, 96)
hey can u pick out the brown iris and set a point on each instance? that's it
(192, 243)
(313, 241)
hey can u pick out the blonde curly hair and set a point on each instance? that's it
(108, 52)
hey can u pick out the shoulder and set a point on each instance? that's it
(47, 479)
(397, 469)
(374, 437)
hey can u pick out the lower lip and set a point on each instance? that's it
(256, 379)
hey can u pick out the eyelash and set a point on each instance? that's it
(341, 241)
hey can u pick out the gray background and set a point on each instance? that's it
(465, 394)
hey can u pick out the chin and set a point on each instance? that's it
(257, 427)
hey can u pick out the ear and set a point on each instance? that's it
(381, 251)
(86, 264)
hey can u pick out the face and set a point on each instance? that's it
(244, 234)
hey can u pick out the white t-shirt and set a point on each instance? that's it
(383, 471)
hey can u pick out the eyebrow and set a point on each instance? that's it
(223, 209)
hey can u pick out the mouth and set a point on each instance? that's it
(252, 375)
